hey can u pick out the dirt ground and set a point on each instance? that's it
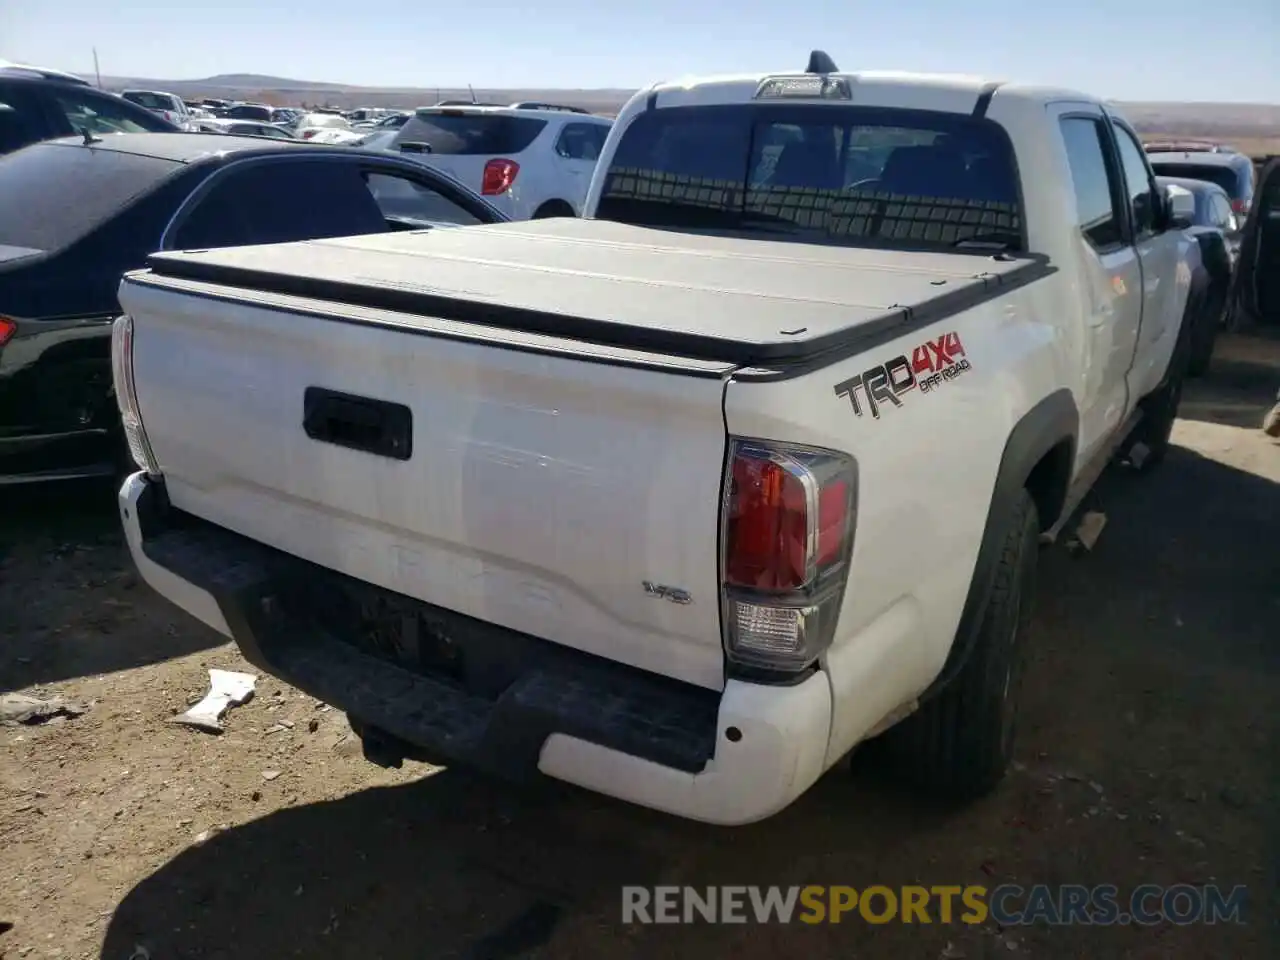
(1148, 754)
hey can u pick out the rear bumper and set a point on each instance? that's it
(516, 705)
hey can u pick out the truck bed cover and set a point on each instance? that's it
(746, 301)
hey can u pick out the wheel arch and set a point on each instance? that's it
(554, 207)
(1199, 291)
(1038, 456)
(1201, 283)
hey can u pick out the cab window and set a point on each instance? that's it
(1139, 182)
(1095, 186)
(874, 176)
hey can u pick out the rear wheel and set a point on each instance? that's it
(959, 744)
(1159, 411)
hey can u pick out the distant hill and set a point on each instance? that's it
(258, 81)
(1224, 120)
(1206, 119)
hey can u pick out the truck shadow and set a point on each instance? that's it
(455, 866)
(1240, 386)
(1153, 655)
(71, 604)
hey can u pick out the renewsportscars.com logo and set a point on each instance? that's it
(1008, 905)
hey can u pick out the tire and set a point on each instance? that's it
(553, 208)
(958, 745)
(1206, 335)
(1160, 409)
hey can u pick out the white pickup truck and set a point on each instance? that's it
(683, 500)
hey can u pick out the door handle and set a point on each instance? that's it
(379, 427)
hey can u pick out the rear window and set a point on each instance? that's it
(53, 195)
(1224, 177)
(248, 111)
(152, 101)
(858, 175)
(471, 133)
(280, 201)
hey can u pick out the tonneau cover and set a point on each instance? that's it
(743, 300)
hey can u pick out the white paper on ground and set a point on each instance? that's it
(226, 688)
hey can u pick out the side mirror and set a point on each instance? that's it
(1181, 207)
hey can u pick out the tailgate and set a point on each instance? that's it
(538, 492)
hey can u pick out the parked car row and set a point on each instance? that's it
(1213, 162)
(213, 115)
(1221, 181)
(532, 160)
(244, 128)
(249, 119)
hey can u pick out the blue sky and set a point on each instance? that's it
(1125, 49)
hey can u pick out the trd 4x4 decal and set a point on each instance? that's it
(931, 364)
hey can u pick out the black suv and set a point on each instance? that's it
(38, 105)
(1225, 166)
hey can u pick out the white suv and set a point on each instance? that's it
(167, 105)
(529, 160)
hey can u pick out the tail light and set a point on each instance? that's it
(498, 177)
(1239, 206)
(308, 134)
(127, 396)
(7, 329)
(788, 521)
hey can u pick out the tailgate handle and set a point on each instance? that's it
(358, 423)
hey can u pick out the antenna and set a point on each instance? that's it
(472, 92)
(819, 62)
(96, 72)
